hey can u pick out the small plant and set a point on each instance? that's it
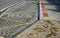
(48, 20)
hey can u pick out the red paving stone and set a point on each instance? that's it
(44, 11)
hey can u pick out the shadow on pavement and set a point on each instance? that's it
(54, 10)
(56, 3)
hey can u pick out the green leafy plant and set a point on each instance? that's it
(48, 20)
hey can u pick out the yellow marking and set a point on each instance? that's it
(13, 26)
(10, 19)
(1, 37)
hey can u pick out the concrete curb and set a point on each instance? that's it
(41, 15)
(23, 29)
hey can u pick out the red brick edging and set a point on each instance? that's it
(44, 11)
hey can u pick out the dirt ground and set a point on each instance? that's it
(42, 29)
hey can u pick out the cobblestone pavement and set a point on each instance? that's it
(18, 17)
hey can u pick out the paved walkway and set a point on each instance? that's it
(52, 11)
(25, 12)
